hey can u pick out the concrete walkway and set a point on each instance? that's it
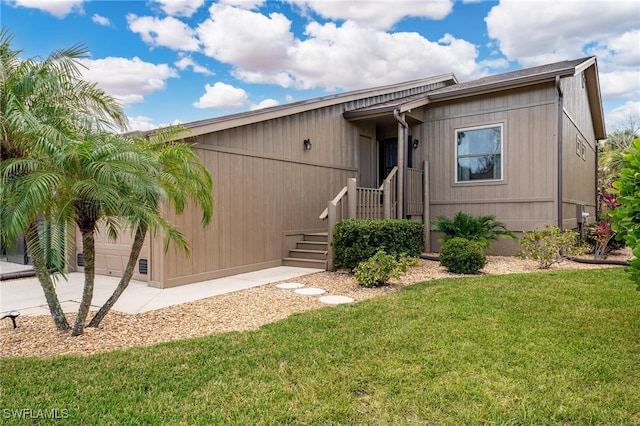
(25, 295)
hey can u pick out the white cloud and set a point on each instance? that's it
(128, 80)
(537, 32)
(263, 50)
(350, 57)
(186, 62)
(144, 123)
(244, 4)
(101, 20)
(57, 8)
(141, 123)
(382, 14)
(223, 96)
(620, 84)
(167, 32)
(246, 39)
(618, 118)
(180, 7)
(266, 103)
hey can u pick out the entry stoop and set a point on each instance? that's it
(310, 252)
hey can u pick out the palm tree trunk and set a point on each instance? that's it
(138, 241)
(48, 287)
(89, 251)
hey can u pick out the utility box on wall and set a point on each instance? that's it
(582, 216)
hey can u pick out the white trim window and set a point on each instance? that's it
(479, 153)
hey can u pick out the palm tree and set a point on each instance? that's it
(482, 229)
(181, 177)
(79, 183)
(43, 103)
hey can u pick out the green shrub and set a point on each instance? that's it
(356, 240)
(626, 223)
(381, 267)
(462, 256)
(482, 229)
(546, 246)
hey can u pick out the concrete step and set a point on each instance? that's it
(321, 237)
(312, 245)
(308, 254)
(304, 263)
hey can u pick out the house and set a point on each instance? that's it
(521, 146)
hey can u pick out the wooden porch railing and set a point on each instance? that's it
(362, 203)
(415, 192)
(379, 203)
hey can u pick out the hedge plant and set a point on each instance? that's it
(627, 216)
(356, 240)
(462, 256)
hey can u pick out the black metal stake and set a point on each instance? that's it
(13, 316)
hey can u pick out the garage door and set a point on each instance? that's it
(112, 257)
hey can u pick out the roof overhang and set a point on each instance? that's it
(459, 91)
(250, 117)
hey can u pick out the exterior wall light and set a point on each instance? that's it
(415, 144)
(307, 144)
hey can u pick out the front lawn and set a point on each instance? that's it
(540, 348)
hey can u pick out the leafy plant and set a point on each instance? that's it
(600, 238)
(356, 240)
(462, 256)
(547, 246)
(381, 267)
(482, 229)
(625, 217)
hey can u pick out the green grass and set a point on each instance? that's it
(544, 348)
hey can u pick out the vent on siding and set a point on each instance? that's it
(143, 266)
(80, 259)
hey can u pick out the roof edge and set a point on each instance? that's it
(250, 117)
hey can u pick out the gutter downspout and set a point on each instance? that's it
(402, 164)
(560, 115)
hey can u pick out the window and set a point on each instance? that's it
(479, 153)
(581, 148)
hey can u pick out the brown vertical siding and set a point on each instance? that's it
(524, 200)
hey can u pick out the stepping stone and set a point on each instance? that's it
(335, 300)
(311, 291)
(290, 285)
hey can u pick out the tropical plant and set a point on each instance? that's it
(626, 216)
(180, 177)
(482, 229)
(611, 152)
(43, 103)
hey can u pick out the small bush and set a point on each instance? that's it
(462, 256)
(356, 240)
(381, 267)
(548, 245)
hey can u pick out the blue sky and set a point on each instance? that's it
(176, 61)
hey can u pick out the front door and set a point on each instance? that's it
(388, 157)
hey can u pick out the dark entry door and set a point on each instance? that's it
(388, 157)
